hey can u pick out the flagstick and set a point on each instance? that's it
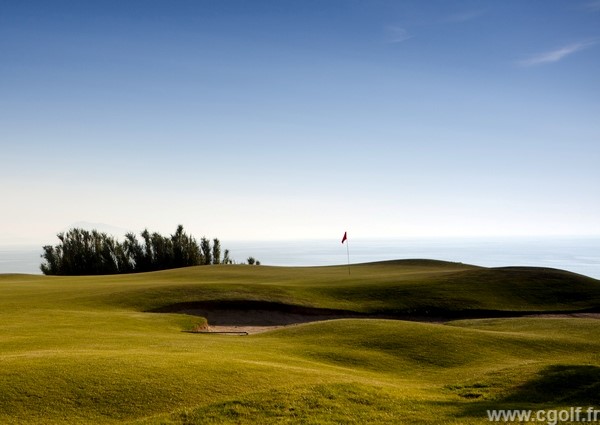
(348, 252)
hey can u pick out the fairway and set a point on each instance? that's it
(118, 349)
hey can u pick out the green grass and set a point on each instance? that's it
(87, 349)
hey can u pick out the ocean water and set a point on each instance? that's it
(20, 259)
(579, 255)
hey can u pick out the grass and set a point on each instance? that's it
(87, 349)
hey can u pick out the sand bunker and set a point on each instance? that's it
(251, 317)
(255, 316)
(563, 315)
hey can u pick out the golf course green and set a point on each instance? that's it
(398, 342)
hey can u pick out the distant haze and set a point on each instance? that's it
(579, 255)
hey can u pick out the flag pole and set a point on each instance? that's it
(348, 252)
(345, 239)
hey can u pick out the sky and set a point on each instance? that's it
(280, 120)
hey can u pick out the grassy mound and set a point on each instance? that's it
(87, 349)
(395, 287)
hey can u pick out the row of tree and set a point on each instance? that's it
(83, 252)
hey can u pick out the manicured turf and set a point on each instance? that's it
(87, 349)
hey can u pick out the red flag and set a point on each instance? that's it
(345, 237)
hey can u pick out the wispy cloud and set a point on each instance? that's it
(557, 54)
(396, 34)
(465, 16)
(593, 5)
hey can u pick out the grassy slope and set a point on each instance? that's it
(82, 349)
(387, 287)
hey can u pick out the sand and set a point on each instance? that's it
(252, 317)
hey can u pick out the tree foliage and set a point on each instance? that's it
(83, 252)
(226, 258)
(206, 255)
(216, 251)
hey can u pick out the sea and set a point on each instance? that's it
(576, 254)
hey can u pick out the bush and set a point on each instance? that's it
(83, 252)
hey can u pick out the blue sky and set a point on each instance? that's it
(284, 119)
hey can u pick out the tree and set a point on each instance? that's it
(162, 248)
(148, 254)
(216, 251)
(179, 242)
(226, 259)
(185, 249)
(251, 260)
(206, 251)
(134, 254)
(83, 252)
(52, 258)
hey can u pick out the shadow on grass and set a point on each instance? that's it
(553, 386)
(270, 313)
